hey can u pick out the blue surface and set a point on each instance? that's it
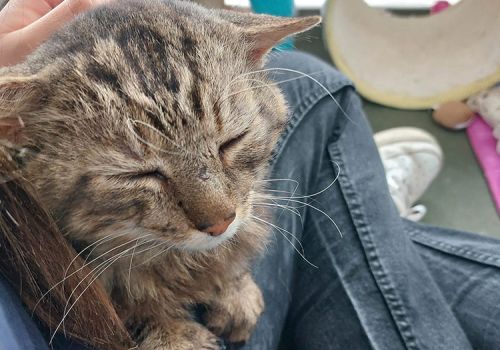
(283, 8)
(17, 329)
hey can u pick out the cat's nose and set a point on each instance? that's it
(218, 228)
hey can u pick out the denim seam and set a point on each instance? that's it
(399, 314)
(301, 111)
(454, 250)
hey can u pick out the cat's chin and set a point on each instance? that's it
(201, 241)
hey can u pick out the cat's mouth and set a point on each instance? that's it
(201, 241)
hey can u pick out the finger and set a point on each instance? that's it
(29, 3)
(62, 13)
(21, 42)
(19, 13)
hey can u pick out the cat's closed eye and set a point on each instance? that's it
(231, 143)
(153, 174)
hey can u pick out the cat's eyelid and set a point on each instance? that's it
(232, 142)
(137, 175)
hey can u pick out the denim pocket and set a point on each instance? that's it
(473, 247)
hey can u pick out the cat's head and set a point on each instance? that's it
(149, 119)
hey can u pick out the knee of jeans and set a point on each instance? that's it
(301, 75)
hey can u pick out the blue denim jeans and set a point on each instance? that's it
(378, 281)
(345, 271)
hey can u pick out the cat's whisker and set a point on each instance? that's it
(278, 191)
(147, 143)
(280, 230)
(293, 193)
(130, 268)
(275, 198)
(287, 207)
(81, 268)
(121, 245)
(67, 310)
(276, 180)
(280, 206)
(318, 210)
(263, 85)
(135, 121)
(162, 251)
(94, 246)
(227, 245)
(316, 81)
(104, 265)
(106, 259)
(11, 217)
(147, 248)
(74, 290)
(314, 194)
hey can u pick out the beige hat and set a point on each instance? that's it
(415, 62)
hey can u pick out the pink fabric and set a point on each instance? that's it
(439, 6)
(484, 145)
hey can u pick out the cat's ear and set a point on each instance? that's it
(263, 32)
(19, 97)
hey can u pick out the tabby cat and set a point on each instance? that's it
(146, 128)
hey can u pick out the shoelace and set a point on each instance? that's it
(396, 180)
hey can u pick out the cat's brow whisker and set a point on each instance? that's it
(280, 230)
(147, 143)
(135, 121)
(309, 77)
(263, 85)
(249, 89)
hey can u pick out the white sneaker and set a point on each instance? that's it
(412, 159)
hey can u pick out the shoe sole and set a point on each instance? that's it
(404, 134)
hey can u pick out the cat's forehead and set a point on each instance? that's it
(166, 33)
(167, 64)
(167, 41)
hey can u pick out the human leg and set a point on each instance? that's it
(372, 288)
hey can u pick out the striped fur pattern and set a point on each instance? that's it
(138, 123)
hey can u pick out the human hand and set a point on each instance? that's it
(25, 24)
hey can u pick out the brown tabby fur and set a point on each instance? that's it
(141, 125)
